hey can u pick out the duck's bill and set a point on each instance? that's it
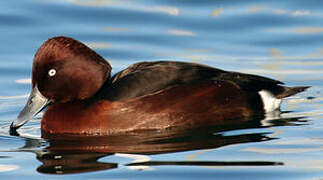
(36, 103)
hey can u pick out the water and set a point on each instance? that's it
(278, 39)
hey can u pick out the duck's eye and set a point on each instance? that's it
(52, 72)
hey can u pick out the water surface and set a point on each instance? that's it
(278, 39)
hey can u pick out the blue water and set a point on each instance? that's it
(278, 39)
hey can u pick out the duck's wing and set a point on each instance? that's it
(149, 77)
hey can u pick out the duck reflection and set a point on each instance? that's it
(69, 163)
(74, 154)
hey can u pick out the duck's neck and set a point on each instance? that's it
(102, 93)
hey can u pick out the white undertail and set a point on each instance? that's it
(270, 102)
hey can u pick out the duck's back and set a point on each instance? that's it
(149, 77)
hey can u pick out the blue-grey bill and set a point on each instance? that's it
(36, 102)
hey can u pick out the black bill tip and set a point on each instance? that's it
(13, 130)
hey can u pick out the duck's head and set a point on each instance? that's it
(64, 70)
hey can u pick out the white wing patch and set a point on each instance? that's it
(270, 102)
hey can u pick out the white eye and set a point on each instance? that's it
(52, 72)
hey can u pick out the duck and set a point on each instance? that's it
(74, 85)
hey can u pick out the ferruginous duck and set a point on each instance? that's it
(83, 99)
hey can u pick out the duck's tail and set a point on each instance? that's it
(271, 101)
(289, 91)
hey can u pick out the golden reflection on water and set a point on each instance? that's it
(180, 32)
(286, 150)
(278, 11)
(216, 12)
(305, 59)
(284, 147)
(278, 65)
(307, 30)
(195, 155)
(275, 53)
(276, 56)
